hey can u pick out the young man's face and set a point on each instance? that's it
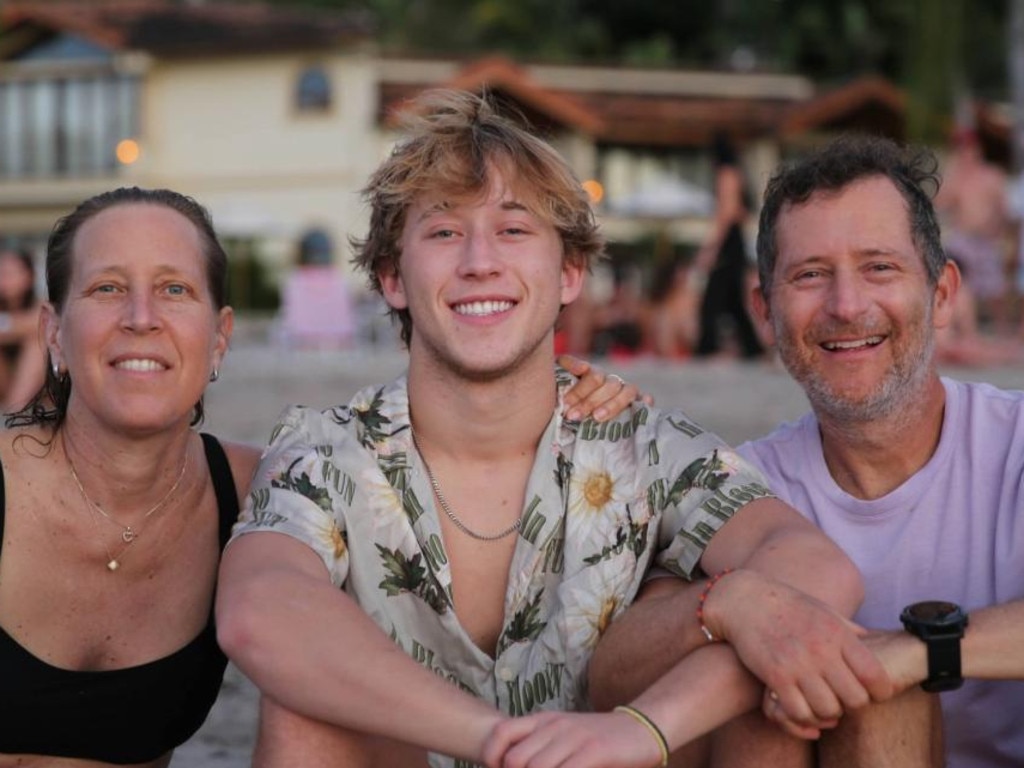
(850, 308)
(483, 281)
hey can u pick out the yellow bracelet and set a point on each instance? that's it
(647, 723)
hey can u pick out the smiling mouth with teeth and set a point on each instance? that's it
(870, 341)
(139, 365)
(483, 308)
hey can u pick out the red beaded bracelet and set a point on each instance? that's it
(700, 604)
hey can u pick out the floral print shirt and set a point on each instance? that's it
(603, 503)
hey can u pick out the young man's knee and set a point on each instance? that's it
(905, 732)
(753, 741)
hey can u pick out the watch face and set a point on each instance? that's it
(935, 611)
(940, 625)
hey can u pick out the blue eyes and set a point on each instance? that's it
(171, 289)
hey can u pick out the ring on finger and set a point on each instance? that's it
(616, 377)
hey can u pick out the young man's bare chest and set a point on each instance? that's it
(481, 540)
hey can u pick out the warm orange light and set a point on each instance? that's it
(127, 151)
(594, 190)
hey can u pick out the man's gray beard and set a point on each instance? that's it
(901, 390)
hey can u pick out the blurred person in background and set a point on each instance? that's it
(574, 333)
(673, 325)
(722, 260)
(1015, 206)
(317, 309)
(973, 204)
(619, 323)
(22, 356)
(963, 343)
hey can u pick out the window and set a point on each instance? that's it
(65, 125)
(313, 90)
(65, 103)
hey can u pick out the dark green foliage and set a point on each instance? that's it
(250, 284)
(827, 40)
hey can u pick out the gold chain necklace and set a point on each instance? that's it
(128, 534)
(451, 514)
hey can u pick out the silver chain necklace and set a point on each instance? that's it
(451, 514)
(128, 534)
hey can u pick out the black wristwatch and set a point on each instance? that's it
(940, 625)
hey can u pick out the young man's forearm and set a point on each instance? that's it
(309, 646)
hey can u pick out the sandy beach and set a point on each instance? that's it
(736, 400)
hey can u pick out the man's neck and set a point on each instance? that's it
(485, 421)
(871, 459)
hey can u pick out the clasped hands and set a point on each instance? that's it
(814, 663)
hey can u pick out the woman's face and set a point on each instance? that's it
(15, 280)
(139, 333)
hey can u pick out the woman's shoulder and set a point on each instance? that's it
(19, 444)
(26, 457)
(243, 459)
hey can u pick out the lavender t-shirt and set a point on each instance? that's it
(953, 531)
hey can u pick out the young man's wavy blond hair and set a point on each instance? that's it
(453, 141)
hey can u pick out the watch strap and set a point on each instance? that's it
(943, 664)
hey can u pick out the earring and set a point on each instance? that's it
(215, 374)
(56, 369)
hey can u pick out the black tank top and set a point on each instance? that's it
(121, 716)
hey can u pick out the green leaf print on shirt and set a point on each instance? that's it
(706, 472)
(302, 485)
(632, 536)
(408, 574)
(375, 424)
(525, 624)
